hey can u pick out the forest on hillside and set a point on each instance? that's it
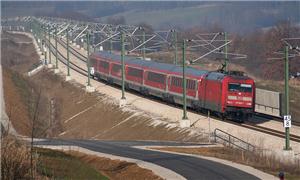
(256, 28)
(237, 17)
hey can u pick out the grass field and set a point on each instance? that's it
(59, 165)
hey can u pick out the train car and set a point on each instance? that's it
(229, 96)
(193, 78)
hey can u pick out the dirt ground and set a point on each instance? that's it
(16, 58)
(84, 115)
(17, 52)
(116, 169)
(17, 112)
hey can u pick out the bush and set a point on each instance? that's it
(15, 159)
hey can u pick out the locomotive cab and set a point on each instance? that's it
(239, 97)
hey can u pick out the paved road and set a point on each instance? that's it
(189, 167)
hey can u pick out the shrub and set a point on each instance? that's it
(15, 159)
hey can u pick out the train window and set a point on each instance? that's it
(104, 64)
(176, 81)
(156, 77)
(235, 87)
(246, 87)
(190, 84)
(135, 72)
(116, 68)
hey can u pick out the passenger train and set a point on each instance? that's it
(228, 96)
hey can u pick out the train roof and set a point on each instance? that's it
(215, 76)
(151, 64)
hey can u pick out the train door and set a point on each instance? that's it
(213, 95)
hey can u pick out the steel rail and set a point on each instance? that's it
(63, 59)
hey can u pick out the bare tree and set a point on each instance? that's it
(35, 116)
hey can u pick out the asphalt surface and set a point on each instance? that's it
(188, 167)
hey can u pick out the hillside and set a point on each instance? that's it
(238, 17)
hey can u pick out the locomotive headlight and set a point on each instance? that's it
(232, 97)
(247, 98)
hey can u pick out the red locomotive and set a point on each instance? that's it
(229, 96)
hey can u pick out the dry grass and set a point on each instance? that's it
(60, 165)
(116, 169)
(15, 159)
(262, 161)
(15, 105)
(46, 164)
(52, 164)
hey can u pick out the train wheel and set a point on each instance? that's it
(110, 81)
(240, 117)
(98, 77)
(144, 91)
(245, 117)
(223, 117)
(171, 99)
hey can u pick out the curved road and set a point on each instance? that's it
(187, 166)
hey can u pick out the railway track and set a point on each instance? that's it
(294, 123)
(248, 125)
(273, 118)
(73, 51)
(63, 60)
(270, 131)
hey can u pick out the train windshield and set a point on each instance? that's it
(236, 87)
